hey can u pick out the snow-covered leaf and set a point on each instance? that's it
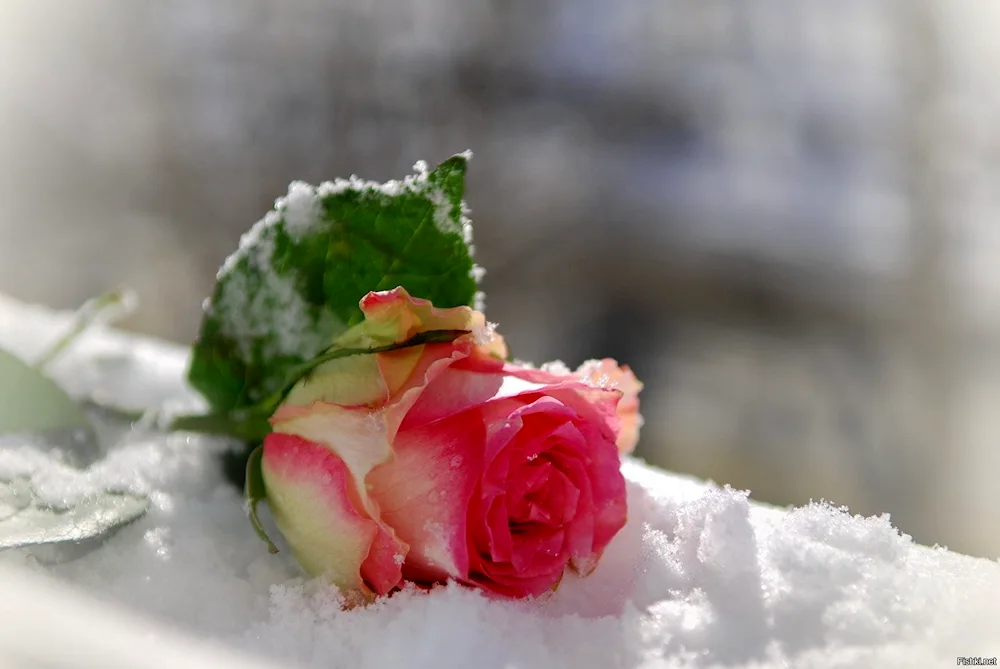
(297, 278)
(31, 402)
(24, 522)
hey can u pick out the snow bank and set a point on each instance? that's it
(701, 576)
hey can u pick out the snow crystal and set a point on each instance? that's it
(557, 367)
(300, 209)
(699, 576)
(479, 301)
(484, 334)
(477, 273)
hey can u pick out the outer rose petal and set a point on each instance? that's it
(393, 316)
(447, 387)
(607, 374)
(355, 434)
(425, 490)
(410, 378)
(477, 381)
(350, 381)
(315, 505)
(356, 438)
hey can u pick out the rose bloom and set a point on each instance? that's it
(442, 461)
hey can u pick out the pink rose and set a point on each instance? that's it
(442, 461)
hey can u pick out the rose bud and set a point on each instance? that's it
(442, 461)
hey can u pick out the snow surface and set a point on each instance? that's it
(699, 577)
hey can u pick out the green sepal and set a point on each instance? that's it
(254, 492)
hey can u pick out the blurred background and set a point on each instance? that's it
(781, 215)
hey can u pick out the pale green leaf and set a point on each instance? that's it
(31, 402)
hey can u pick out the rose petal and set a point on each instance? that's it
(580, 528)
(602, 484)
(523, 481)
(558, 500)
(609, 490)
(476, 381)
(435, 360)
(355, 434)
(541, 555)
(607, 374)
(424, 493)
(398, 367)
(382, 570)
(396, 316)
(604, 374)
(591, 406)
(393, 316)
(471, 381)
(506, 580)
(497, 523)
(350, 381)
(315, 505)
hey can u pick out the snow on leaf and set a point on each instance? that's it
(295, 282)
(24, 522)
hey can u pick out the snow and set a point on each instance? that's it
(700, 576)
(301, 209)
(442, 212)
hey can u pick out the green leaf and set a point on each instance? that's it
(29, 401)
(24, 522)
(254, 493)
(297, 278)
